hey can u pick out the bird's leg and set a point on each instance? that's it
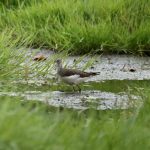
(73, 88)
(79, 88)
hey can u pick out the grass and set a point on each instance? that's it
(80, 26)
(35, 126)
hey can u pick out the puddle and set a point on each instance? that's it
(87, 99)
(108, 90)
(97, 95)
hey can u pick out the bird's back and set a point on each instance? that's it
(69, 72)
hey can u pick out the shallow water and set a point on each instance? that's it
(119, 85)
(97, 95)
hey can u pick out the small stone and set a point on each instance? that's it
(132, 70)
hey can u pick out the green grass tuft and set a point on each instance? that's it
(81, 26)
(35, 126)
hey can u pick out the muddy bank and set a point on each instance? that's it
(111, 67)
(117, 67)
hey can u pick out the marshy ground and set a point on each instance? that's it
(121, 76)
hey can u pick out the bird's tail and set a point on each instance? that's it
(95, 73)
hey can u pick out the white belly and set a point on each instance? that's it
(74, 79)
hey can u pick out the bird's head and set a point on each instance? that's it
(58, 63)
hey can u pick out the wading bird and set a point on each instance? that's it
(72, 76)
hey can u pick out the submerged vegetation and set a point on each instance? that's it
(80, 26)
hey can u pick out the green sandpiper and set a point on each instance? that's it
(72, 76)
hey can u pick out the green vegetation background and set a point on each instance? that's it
(80, 26)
